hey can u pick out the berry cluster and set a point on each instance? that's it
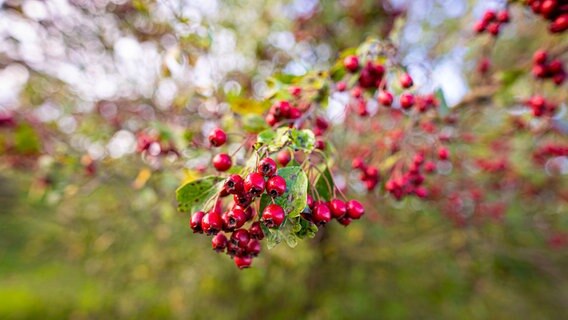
(540, 106)
(545, 69)
(243, 243)
(549, 150)
(410, 182)
(321, 212)
(555, 11)
(369, 174)
(280, 111)
(491, 22)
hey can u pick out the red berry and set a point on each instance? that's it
(321, 213)
(385, 98)
(284, 157)
(240, 237)
(219, 242)
(479, 26)
(443, 153)
(494, 28)
(267, 167)
(489, 15)
(555, 66)
(253, 247)
(559, 78)
(406, 100)
(345, 221)
(211, 223)
(217, 137)
(234, 184)
(341, 86)
(271, 119)
(429, 167)
(295, 91)
(320, 144)
(322, 123)
(195, 222)
(276, 186)
(281, 109)
(484, 65)
(503, 16)
(540, 57)
(242, 262)
(358, 163)
(406, 81)
(222, 162)
(255, 231)
(560, 24)
(254, 184)
(273, 215)
(310, 201)
(351, 63)
(355, 209)
(243, 200)
(234, 219)
(337, 208)
(295, 113)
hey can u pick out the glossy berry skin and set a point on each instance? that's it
(195, 222)
(242, 262)
(406, 101)
(217, 137)
(345, 221)
(243, 200)
(351, 63)
(443, 153)
(253, 247)
(240, 237)
(219, 242)
(267, 167)
(284, 157)
(212, 223)
(338, 208)
(385, 98)
(355, 209)
(406, 81)
(254, 184)
(222, 162)
(234, 219)
(276, 186)
(234, 184)
(255, 231)
(321, 214)
(273, 216)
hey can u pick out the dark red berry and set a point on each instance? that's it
(276, 186)
(503, 16)
(310, 201)
(253, 247)
(255, 231)
(540, 57)
(219, 242)
(243, 200)
(222, 162)
(385, 98)
(234, 219)
(355, 209)
(351, 63)
(267, 167)
(345, 221)
(211, 223)
(320, 144)
(337, 208)
(195, 222)
(273, 215)
(217, 137)
(234, 250)
(321, 214)
(406, 81)
(295, 113)
(242, 262)
(254, 184)
(406, 100)
(443, 153)
(240, 237)
(234, 184)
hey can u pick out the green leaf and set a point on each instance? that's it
(324, 185)
(254, 123)
(293, 201)
(197, 194)
(443, 110)
(304, 140)
(266, 137)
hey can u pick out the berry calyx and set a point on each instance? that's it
(254, 184)
(234, 184)
(255, 231)
(222, 162)
(276, 186)
(267, 167)
(240, 237)
(273, 216)
(234, 218)
(217, 137)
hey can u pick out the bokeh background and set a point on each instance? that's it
(89, 228)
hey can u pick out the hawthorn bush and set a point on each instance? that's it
(391, 159)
